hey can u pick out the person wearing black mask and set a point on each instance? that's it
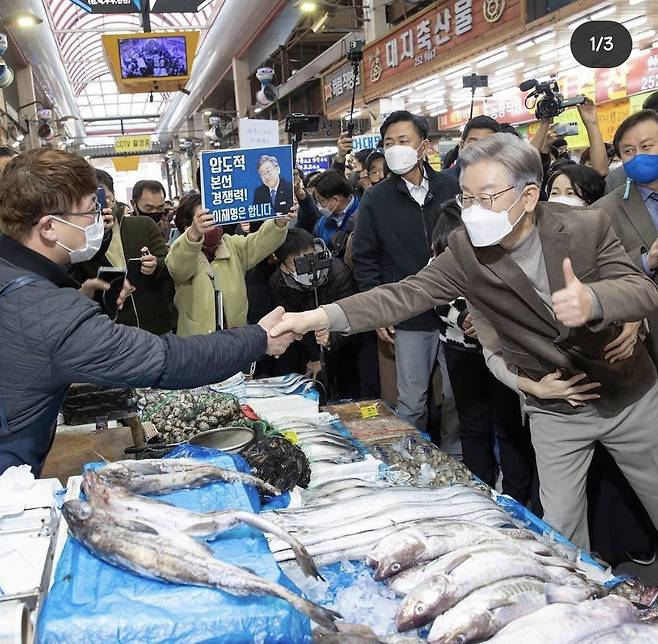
(151, 306)
(148, 200)
(295, 293)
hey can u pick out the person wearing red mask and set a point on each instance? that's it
(208, 267)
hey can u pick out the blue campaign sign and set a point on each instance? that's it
(363, 141)
(312, 164)
(247, 184)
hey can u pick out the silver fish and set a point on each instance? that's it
(127, 506)
(172, 556)
(485, 611)
(441, 591)
(567, 624)
(416, 545)
(162, 475)
(404, 582)
(635, 633)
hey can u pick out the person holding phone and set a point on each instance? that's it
(137, 239)
(208, 267)
(52, 335)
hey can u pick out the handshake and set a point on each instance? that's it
(284, 328)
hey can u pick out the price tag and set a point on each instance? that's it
(291, 437)
(370, 411)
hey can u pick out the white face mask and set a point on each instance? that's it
(568, 200)
(401, 158)
(93, 240)
(487, 227)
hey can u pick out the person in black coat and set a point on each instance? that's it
(295, 293)
(276, 190)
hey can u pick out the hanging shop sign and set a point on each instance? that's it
(337, 86)
(421, 45)
(136, 143)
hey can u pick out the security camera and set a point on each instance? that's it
(6, 72)
(268, 92)
(44, 130)
(214, 133)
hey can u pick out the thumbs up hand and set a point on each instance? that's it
(573, 304)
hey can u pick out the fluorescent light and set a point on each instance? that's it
(415, 99)
(635, 22)
(435, 97)
(634, 2)
(493, 59)
(431, 106)
(428, 82)
(509, 68)
(459, 106)
(650, 33)
(490, 54)
(576, 23)
(402, 94)
(461, 71)
(526, 44)
(544, 37)
(606, 11)
(458, 85)
(308, 7)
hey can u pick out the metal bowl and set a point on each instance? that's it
(227, 439)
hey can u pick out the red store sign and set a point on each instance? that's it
(423, 44)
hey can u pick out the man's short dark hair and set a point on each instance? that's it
(630, 122)
(403, 116)
(297, 241)
(561, 143)
(508, 128)
(480, 123)
(362, 155)
(333, 184)
(105, 179)
(377, 153)
(651, 102)
(149, 185)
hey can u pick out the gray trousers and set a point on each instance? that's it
(564, 446)
(416, 353)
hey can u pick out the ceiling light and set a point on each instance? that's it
(461, 71)
(544, 37)
(308, 7)
(427, 83)
(491, 54)
(650, 33)
(431, 106)
(635, 22)
(438, 112)
(602, 13)
(459, 106)
(634, 2)
(509, 68)
(526, 44)
(207, 113)
(493, 59)
(402, 94)
(22, 19)
(576, 23)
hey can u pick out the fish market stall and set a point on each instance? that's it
(331, 524)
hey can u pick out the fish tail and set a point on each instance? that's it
(304, 560)
(319, 614)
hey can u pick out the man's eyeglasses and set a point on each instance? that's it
(96, 213)
(483, 199)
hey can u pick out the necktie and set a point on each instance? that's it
(273, 197)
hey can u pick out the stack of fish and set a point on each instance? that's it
(323, 443)
(353, 517)
(157, 540)
(473, 580)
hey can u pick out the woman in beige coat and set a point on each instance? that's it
(208, 268)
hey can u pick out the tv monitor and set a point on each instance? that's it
(153, 58)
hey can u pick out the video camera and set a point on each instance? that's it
(548, 100)
(297, 123)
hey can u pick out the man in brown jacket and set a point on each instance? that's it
(556, 289)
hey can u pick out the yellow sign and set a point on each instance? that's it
(610, 116)
(637, 100)
(370, 411)
(126, 164)
(136, 143)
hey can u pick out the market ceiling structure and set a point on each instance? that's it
(78, 34)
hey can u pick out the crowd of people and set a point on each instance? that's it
(516, 288)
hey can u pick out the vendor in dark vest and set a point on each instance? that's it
(338, 206)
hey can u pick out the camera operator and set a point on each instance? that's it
(294, 292)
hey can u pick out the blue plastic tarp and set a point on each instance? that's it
(91, 600)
